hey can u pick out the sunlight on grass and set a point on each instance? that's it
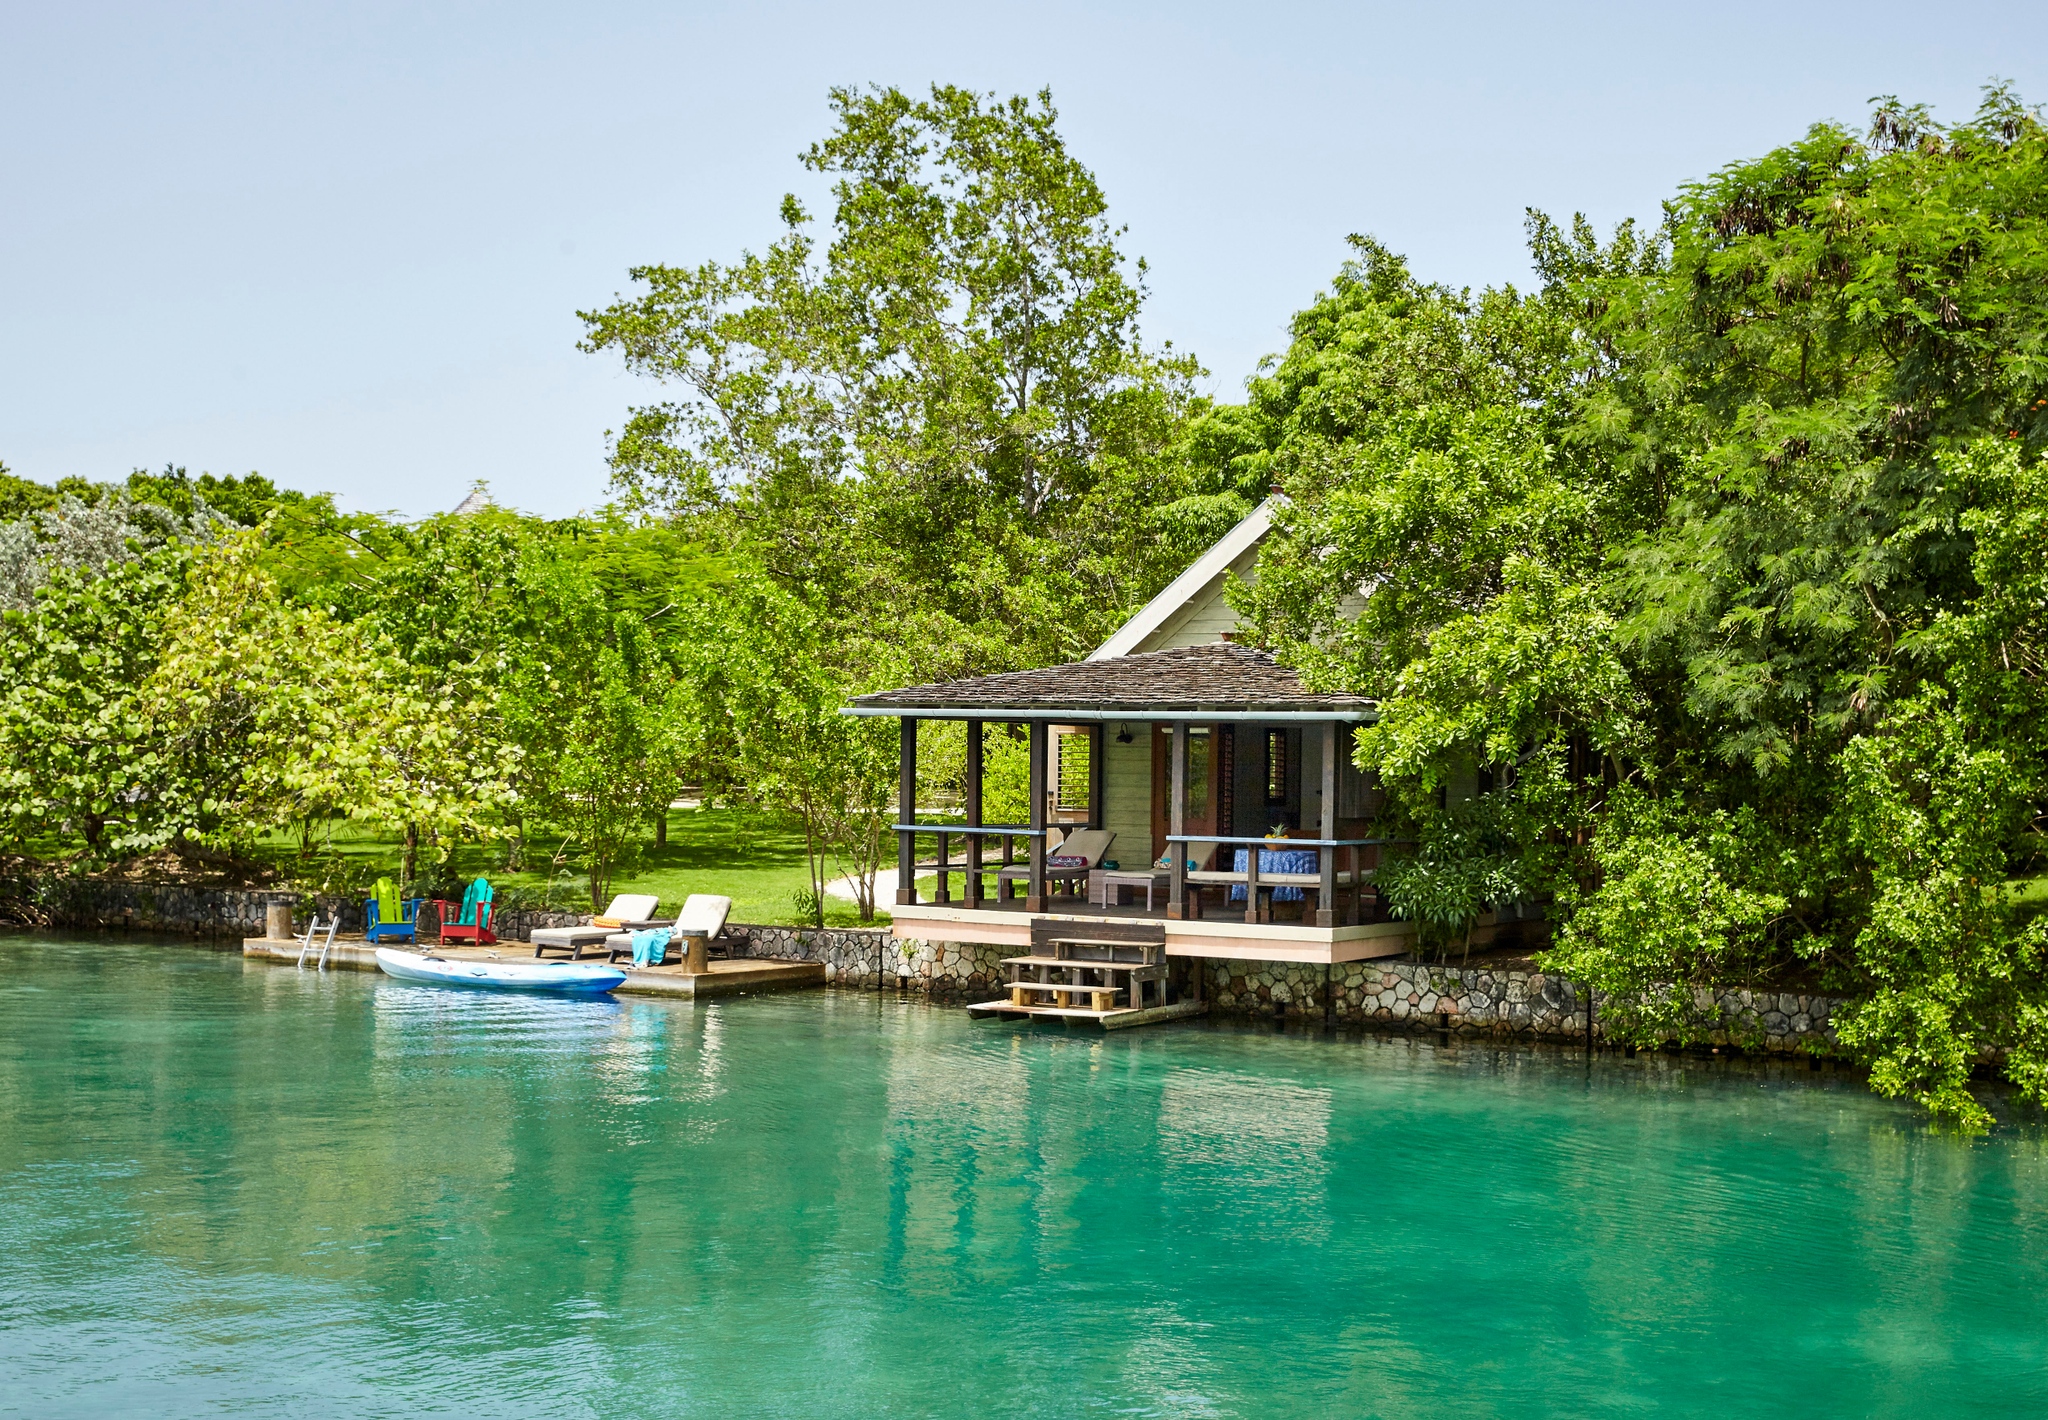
(755, 860)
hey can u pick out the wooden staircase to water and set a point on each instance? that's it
(1111, 974)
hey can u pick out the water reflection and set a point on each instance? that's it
(287, 1193)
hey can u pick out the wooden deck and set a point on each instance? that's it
(725, 977)
(1221, 935)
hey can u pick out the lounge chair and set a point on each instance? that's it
(626, 907)
(703, 912)
(473, 924)
(388, 918)
(1079, 855)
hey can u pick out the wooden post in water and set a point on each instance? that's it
(696, 953)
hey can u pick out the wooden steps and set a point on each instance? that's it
(1120, 1019)
(1104, 972)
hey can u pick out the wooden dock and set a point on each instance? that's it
(725, 978)
(1116, 1018)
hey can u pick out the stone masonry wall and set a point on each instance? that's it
(205, 911)
(1401, 992)
(147, 907)
(853, 956)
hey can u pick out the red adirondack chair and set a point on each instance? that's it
(478, 929)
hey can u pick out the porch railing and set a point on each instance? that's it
(1329, 882)
(974, 866)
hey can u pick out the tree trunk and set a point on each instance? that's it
(661, 829)
(408, 870)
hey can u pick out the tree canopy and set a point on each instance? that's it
(1691, 584)
(940, 417)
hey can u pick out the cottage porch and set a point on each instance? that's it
(1191, 758)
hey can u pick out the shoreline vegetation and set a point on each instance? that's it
(1708, 611)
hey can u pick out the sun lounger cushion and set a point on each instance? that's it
(567, 938)
(704, 912)
(626, 907)
(1088, 845)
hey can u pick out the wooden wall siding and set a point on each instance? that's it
(1226, 779)
(1305, 783)
(1355, 798)
(1127, 793)
(1297, 747)
(1206, 617)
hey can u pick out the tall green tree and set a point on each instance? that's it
(79, 754)
(288, 717)
(941, 419)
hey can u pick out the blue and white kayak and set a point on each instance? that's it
(561, 978)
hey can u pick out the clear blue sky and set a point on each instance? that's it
(345, 245)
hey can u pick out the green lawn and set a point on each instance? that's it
(756, 861)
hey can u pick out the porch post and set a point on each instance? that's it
(906, 812)
(1041, 740)
(1251, 881)
(1326, 856)
(1098, 740)
(972, 897)
(1177, 822)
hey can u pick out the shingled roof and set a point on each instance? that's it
(1221, 676)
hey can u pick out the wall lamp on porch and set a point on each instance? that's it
(1123, 734)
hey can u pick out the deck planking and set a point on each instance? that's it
(1120, 1018)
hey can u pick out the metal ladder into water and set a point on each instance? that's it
(306, 945)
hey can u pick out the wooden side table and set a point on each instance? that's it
(1106, 886)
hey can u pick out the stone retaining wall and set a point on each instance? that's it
(145, 907)
(854, 955)
(1402, 992)
(206, 911)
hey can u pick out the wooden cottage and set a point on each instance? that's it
(1160, 769)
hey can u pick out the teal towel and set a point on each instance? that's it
(650, 945)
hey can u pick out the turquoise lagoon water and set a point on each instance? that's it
(231, 1188)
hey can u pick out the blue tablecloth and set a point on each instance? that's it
(1276, 860)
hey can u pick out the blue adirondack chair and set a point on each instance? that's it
(381, 927)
